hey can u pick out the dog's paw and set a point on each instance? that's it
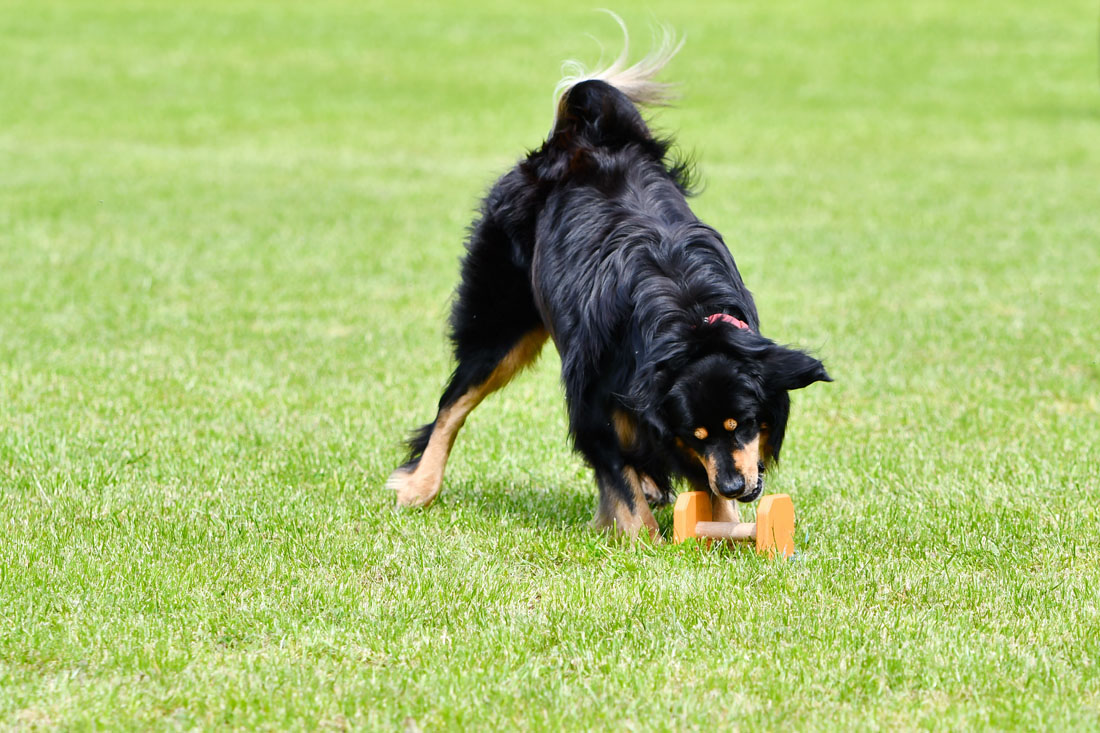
(415, 488)
(631, 530)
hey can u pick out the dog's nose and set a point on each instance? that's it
(732, 488)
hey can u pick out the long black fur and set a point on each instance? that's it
(591, 238)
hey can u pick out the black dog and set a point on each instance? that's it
(590, 241)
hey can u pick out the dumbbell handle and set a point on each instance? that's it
(726, 530)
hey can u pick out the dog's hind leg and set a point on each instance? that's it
(419, 480)
(496, 331)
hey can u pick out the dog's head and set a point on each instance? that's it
(726, 411)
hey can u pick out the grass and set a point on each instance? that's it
(228, 231)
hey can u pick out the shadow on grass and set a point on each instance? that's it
(527, 504)
(538, 506)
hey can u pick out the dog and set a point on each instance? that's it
(589, 241)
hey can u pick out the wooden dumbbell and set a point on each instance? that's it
(772, 531)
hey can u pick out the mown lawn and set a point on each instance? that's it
(228, 234)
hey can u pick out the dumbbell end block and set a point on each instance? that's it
(775, 525)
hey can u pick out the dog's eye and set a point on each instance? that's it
(700, 433)
(730, 425)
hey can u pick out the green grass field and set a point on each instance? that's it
(228, 235)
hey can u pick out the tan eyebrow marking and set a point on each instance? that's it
(730, 424)
(701, 433)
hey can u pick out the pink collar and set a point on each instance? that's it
(728, 319)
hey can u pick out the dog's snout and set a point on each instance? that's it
(732, 488)
(735, 487)
(754, 491)
(727, 477)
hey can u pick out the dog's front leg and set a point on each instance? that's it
(623, 507)
(724, 510)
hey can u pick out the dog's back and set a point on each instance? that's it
(622, 267)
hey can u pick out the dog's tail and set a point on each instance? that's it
(637, 82)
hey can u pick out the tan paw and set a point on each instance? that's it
(414, 487)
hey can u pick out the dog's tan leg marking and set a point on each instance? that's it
(615, 515)
(650, 490)
(625, 429)
(420, 486)
(747, 461)
(724, 510)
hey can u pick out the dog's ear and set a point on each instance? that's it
(789, 369)
(785, 369)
